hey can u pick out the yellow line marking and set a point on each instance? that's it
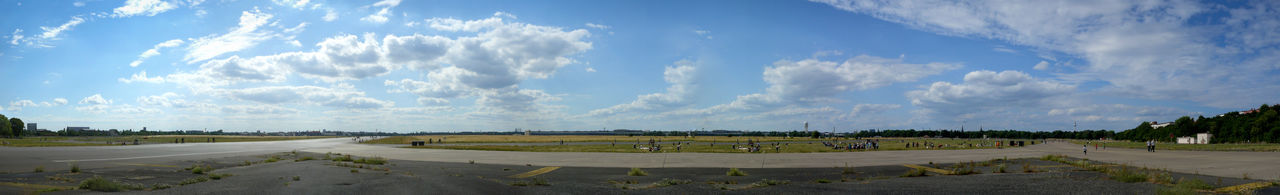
(34, 186)
(1245, 187)
(148, 165)
(534, 172)
(939, 171)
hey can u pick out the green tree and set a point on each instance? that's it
(5, 129)
(17, 126)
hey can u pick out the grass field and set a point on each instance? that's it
(1173, 146)
(154, 139)
(702, 144)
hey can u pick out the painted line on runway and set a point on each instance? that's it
(157, 156)
(148, 165)
(535, 172)
(939, 171)
(1244, 187)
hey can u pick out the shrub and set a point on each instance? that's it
(218, 176)
(672, 182)
(273, 159)
(355, 171)
(97, 183)
(637, 172)
(736, 172)
(1026, 168)
(75, 168)
(345, 158)
(823, 181)
(1127, 176)
(39, 169)
(1000, 168)
(297, 178)
(160, 186)
(304, 159)
(915, 173)
(194, 180)
(198, 169)
(769, 182)
(372, 161)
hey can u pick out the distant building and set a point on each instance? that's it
(528, 132)
(1200, 138)
(1156, 125)
(1247, 112)
(31, 127)
(77, 129)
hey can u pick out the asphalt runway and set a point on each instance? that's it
(1224, 164)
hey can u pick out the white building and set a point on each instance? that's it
(1200, 138)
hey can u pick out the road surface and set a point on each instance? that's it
(1225, 164)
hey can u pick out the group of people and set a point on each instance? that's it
(866, 144)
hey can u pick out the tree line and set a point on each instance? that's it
(1256, 126)
(12, 127)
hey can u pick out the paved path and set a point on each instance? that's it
(1226, 164)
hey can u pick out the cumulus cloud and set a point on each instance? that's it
(246, 35)
(95, 99)
(1043, 65)
(340, 96)
(142, 7)
(329, 16)
(155, 50)
(681, 77)
(382, 14)
(1144, 49)
(988, 90)
(297, 4)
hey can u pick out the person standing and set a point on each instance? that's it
(1086, 149)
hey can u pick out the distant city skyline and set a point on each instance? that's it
(289, 65)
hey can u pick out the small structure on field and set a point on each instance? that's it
(1200, 138)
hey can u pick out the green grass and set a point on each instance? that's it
(769, 182)
(916, 173)
(1261, 147)
(216, 176)
(97, 183)
(39, 169)
(342, 158)
(371, 161)
(1001, 168)
(194, 180)
(700, 144)
(272, 159)
(735, 172)
(1128, 176)
(199, 169)
(671, 182)
(297, 178)
(305, 158)
(637, 172)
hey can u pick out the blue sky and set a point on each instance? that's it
(667, 65)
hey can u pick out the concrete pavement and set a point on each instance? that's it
(1225, 164)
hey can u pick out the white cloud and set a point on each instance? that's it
(387, 3)
(682, 78)
(297, 4)
(17, 36)
(155, 51)
(95, 99)
(142, 7)
(597, 26)
(378, 18)
(340, 96)
(505, 14)
(258, 109)
(330, 16)
(862, 110)
(705, 33)
(988, 90)
(590, 69)
(141, 77)
(1144, 49)
(78, 4)
(796, 86)
(246, 35)
(1043, 65)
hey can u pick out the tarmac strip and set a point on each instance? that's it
(1244, 187)
(157, 156)
(534, 172)
(147, 165)
(930, 169)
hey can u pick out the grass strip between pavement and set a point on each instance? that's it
(930, 169)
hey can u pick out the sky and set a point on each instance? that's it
(409, 66)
